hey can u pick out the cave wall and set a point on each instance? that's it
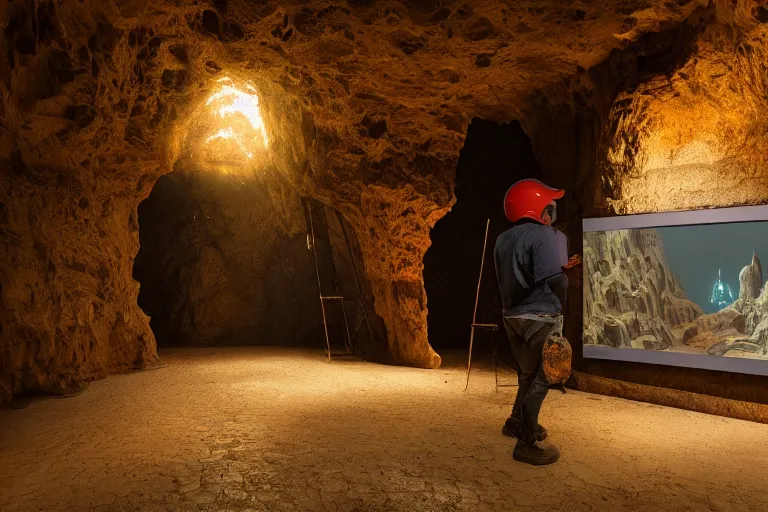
(697, 137)
(366, 105)
(694, 136)
(68, 225)
(225, 261)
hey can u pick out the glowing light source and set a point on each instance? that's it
(721, 293)
(229, 103)
(230, 134)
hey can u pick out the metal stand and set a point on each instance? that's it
(354, 275)
(348, 340)
(484, 327)
(348, 352)
(474, 315)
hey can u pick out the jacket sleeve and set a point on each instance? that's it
(545, 256)
(547, 267)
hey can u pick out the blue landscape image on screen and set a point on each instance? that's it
(696, 289)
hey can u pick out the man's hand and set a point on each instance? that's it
(574, 261)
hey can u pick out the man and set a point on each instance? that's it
(530, 270)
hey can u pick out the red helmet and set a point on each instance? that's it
(528, 198)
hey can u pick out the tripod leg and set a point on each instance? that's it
(325, 326)
(346, 326)
(469, 361)
(477, 299)
(495, 365)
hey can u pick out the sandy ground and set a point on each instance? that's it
(276, 429)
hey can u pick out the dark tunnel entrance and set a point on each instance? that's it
(493, 158)
(224, 260)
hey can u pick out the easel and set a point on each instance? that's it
(483, 327)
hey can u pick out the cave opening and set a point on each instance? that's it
(216, 266)
(494, 156)
(224, 260)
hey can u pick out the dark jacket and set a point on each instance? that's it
(529, 270)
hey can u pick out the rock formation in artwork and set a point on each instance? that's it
(739, 330)
(751, 280)
(631, 298)
(754, 311)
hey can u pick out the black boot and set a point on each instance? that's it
(535, 454)
(512, 428)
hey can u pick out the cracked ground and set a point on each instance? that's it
(276, 429)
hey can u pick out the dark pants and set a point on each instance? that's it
(527, 338)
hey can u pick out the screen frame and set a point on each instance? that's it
(739, 214)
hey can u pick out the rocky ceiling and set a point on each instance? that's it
(366, 104)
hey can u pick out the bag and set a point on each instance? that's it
(557, 356)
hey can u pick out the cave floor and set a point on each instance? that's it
(278, 429)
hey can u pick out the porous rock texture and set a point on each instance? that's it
(631, 298)
(695, 136)
(366, 105)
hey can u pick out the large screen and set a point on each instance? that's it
(680, 289)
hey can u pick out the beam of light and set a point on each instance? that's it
(230, 101)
